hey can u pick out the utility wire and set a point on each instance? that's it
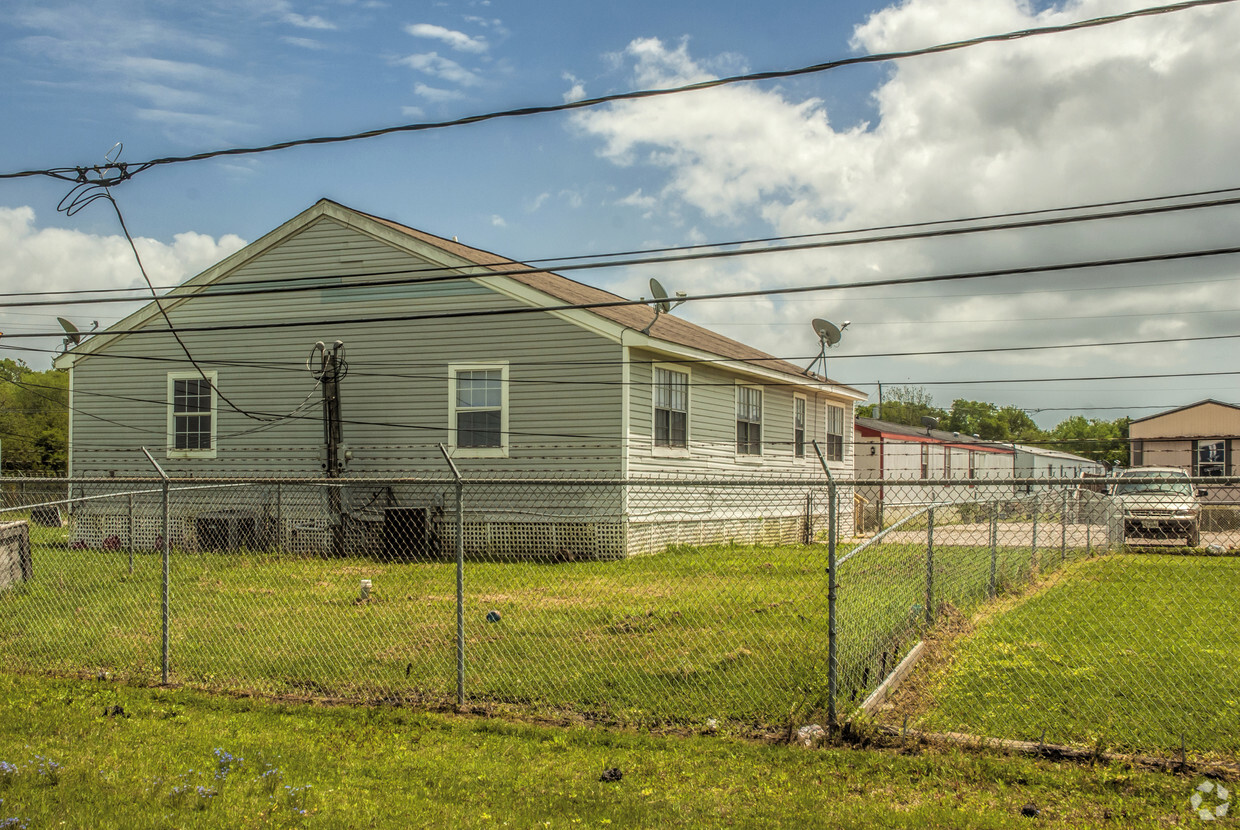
(119, 172)
(618, 303)
(826, 239)
(687, 361)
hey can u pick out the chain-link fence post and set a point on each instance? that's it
(1037, 508)
(164, 605)
(129, 539)
(832, 666)
(994, 545)
(460, 578)
(1063, 529)
(279, 516)
(930, 566)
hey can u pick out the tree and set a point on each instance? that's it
(1105, 441)
(903, 405)
(34, 419)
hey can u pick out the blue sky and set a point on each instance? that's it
(1132, 110)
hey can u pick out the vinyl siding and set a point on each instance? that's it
(712, 425)
(563, 418)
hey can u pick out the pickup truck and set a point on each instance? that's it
(1162, 506)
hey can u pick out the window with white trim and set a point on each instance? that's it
(748, 420)
(671, 408)
(478, 409)
(835, 433)
(925, 461)
(191, 414)
(798, 426)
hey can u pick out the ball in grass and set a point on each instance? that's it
(493, 616)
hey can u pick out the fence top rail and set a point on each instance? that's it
(877, 537)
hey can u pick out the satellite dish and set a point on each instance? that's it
(663, 304)
(660, 293)
(929, 423)
(72, 333)
(827, 332)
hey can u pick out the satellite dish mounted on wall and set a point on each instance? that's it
(829, 334)
(662, 304)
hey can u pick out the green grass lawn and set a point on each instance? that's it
(98, 754)
(1127, 650)
(732, 632)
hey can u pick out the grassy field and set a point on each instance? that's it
(96, 754)
(737, 633)
(1130, 651)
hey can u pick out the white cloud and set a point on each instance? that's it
(498, 221)
(436, 94)
(301, 21)
(440, 67)
(577, 90)
(60, 259)
(1130, 110)
(459, 41)
(304, 43)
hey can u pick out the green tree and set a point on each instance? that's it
(1105, 441)
(903, 405)
(34, 419)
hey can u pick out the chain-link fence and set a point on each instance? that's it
(1100, 615)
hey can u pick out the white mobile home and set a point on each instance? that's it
(516, 371)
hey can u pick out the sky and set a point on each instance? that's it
(1139, 109)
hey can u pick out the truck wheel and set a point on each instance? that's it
(1194, 537)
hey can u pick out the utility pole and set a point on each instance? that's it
(331, 368)
(879, 415)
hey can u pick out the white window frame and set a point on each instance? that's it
(747, 457)
(843, 433)
(213, 378)
(806, 433)
(657, 449)
(479, 452)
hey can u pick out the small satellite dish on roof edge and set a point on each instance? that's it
(72, 332)
(829, 334)
(929, 423)
(663, 303)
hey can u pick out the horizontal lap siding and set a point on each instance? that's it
(394, 398)
(712, 426)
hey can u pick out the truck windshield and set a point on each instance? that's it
(1160, 482)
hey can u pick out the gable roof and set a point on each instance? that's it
(665, 329)
(1183, 408)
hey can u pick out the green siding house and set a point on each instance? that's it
(442, 344)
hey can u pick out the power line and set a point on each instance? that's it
(619, 303)
(120, 171)
(827, 239)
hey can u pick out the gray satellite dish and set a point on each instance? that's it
(929, 423)
(663, 304)
(660, 293)
(827, 332)
(72, 333)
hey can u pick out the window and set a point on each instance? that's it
(748, 420)
(478, 398)
(972, 464)
(1210, 458)
(835, 433)
(925, 461)
(671, 408)
(1138, 453)
(947, 462)
(191, 415)
(798, 427)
